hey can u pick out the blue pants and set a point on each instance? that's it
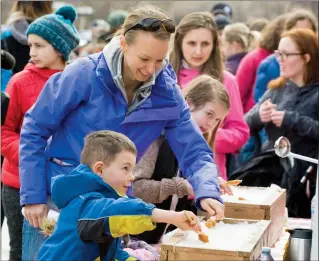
(32, 240)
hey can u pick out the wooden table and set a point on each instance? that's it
(277, 251)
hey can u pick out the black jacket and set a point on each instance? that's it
(301, 126)
(14, 41)
(18, 51)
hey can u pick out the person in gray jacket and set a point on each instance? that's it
(290, 108)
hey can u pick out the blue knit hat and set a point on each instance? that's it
(58, 30)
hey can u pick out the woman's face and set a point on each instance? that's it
(208, 116)
(292, 63)
(144, 56)
(197, 47)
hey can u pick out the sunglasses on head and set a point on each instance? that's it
(153, 25)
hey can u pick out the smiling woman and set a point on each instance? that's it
(130, 88)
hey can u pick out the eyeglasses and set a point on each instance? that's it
(284, 56)
(153, 25)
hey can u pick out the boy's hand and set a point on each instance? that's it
(213, 207)
(186, 220)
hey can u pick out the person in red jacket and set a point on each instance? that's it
(247, 69)
(51, 39)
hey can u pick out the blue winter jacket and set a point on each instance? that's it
(84, 98)
(268, 70)
(93, 219)
(5, 78)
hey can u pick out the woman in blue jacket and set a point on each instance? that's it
(130, 88)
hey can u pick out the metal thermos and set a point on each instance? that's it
(299, 244)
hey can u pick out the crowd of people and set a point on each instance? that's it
(146, 122)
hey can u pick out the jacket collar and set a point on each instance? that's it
(41, 72)
(161, 85)
(113, 56)
(83, 181)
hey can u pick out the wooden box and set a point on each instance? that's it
(269, 206)
(174, 246)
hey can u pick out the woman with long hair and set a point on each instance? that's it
(196, 51)
(290, 108)
(269, 68)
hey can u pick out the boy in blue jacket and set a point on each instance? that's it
(95, 212)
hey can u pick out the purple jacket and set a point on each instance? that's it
(233, 61)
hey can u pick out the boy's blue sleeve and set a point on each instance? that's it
(195, 158)
(114, 217)
(62, 93)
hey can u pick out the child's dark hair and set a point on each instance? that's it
(104, 146)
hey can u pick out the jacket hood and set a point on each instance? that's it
(43, 73)
(18, 26)
(80, 181)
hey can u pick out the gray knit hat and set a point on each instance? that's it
(58, 30)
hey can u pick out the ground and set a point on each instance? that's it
(4, 242)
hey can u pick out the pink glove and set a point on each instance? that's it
(140, 254)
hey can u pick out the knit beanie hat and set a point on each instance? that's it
(58, 30)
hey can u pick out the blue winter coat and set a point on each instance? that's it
(93, 219)
(268, 70)
(84, 98)
(5, 78)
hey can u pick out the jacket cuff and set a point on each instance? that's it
(34, 199)
(287, 121)
(256, 121)
(168, 188)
